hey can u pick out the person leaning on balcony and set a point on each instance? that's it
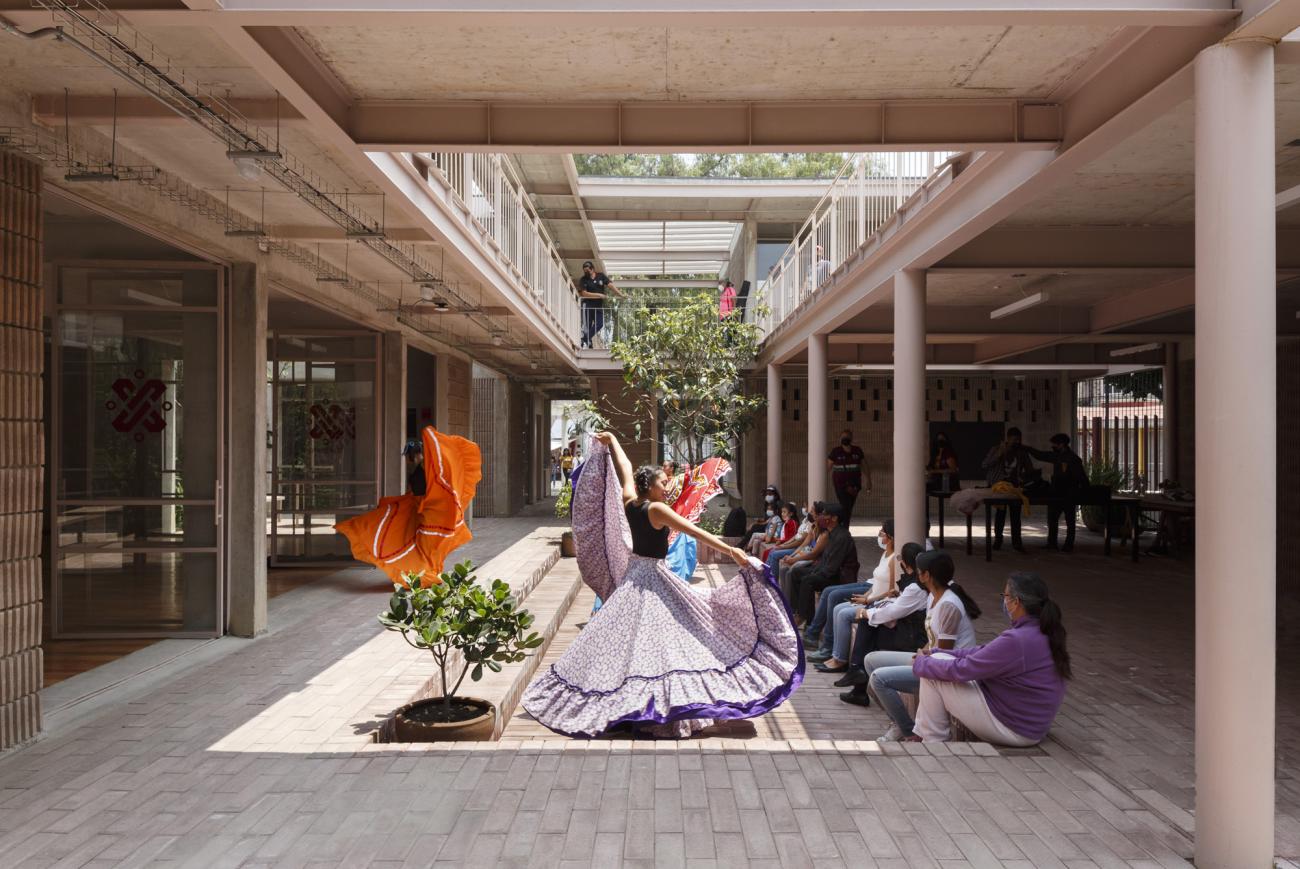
(593, 288)
(727, 300)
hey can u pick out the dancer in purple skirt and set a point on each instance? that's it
(660, 654)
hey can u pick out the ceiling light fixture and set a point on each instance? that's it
(1018, 306)
(1133, 351)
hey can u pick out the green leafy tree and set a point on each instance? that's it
(690, 362)
(788, 165)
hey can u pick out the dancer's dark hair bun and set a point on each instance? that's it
(644, 478)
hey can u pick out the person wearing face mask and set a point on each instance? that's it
(1069, 479)
(1008, 691)
(837, 558)
(843, 607)
(771, 505)
(895, 624)
(949, 611)
(941, 472)
(847, 464)
(820, 634)
(803, 537)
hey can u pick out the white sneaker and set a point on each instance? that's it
(893, 734)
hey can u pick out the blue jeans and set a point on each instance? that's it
(841, 631)
(836, 594)
(891, 676)
(774, 560)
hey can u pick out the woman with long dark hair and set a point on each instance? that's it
(948, 614)
(660, 654)
(1008, 691)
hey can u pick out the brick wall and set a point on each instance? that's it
(21, 450)
(459, 385)
(866, 405)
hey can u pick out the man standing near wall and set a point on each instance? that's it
(847, 463)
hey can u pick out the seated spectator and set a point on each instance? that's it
(847, 612)
(771, 503)
(948, 614)
(803, 534)
(821, 631)
(811, 577)
(810, 551)
(789, 531)
(771, 529)
(894, 623)
(1007, 691)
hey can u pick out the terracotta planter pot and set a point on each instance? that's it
(568, 549)
(479, 728)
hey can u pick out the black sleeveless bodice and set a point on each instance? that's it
(646, 540)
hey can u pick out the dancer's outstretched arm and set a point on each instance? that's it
(662, 514)
(621, 465)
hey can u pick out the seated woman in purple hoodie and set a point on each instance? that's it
(1008, 691)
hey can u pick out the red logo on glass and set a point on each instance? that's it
(142, 405)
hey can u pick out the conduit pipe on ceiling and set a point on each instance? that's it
(193, 108)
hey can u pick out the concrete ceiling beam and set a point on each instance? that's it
(674, 126)
(650, 13)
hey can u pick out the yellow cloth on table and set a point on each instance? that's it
(1006, 489)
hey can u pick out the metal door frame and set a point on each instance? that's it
(54, 502)
(273, 513)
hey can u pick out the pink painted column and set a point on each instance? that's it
(1236, 434)
(910, 441)
(774, 425)
(818, 417)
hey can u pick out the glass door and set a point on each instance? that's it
(324, 450)
(135, 470)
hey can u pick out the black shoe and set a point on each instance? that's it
(1069, 547)
(855, 676)
(997, 543)
(822, 668)
(855, 698)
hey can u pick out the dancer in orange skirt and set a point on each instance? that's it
(416, 531)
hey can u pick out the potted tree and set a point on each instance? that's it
(465, 626)
(563, 508)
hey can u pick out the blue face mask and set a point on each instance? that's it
(1006, 612)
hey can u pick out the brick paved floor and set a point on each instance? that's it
(142, 782)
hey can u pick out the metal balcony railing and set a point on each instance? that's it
(486, 187)
(867, 192)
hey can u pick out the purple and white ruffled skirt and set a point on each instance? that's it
(661, 654)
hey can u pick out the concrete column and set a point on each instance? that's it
(393, 430)
(818, 417)
(245, 496)
(1236, 440)
(910, 441)
(774, 424)
(1169, 425)
(1065, 411)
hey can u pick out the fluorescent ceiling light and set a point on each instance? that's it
(1133, 351)
(1018, 306)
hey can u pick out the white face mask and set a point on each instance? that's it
(770, 498)
(880, 538)
(770, 514)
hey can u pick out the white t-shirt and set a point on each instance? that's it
(946, 619)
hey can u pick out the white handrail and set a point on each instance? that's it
(497, 206)
(867, 192)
